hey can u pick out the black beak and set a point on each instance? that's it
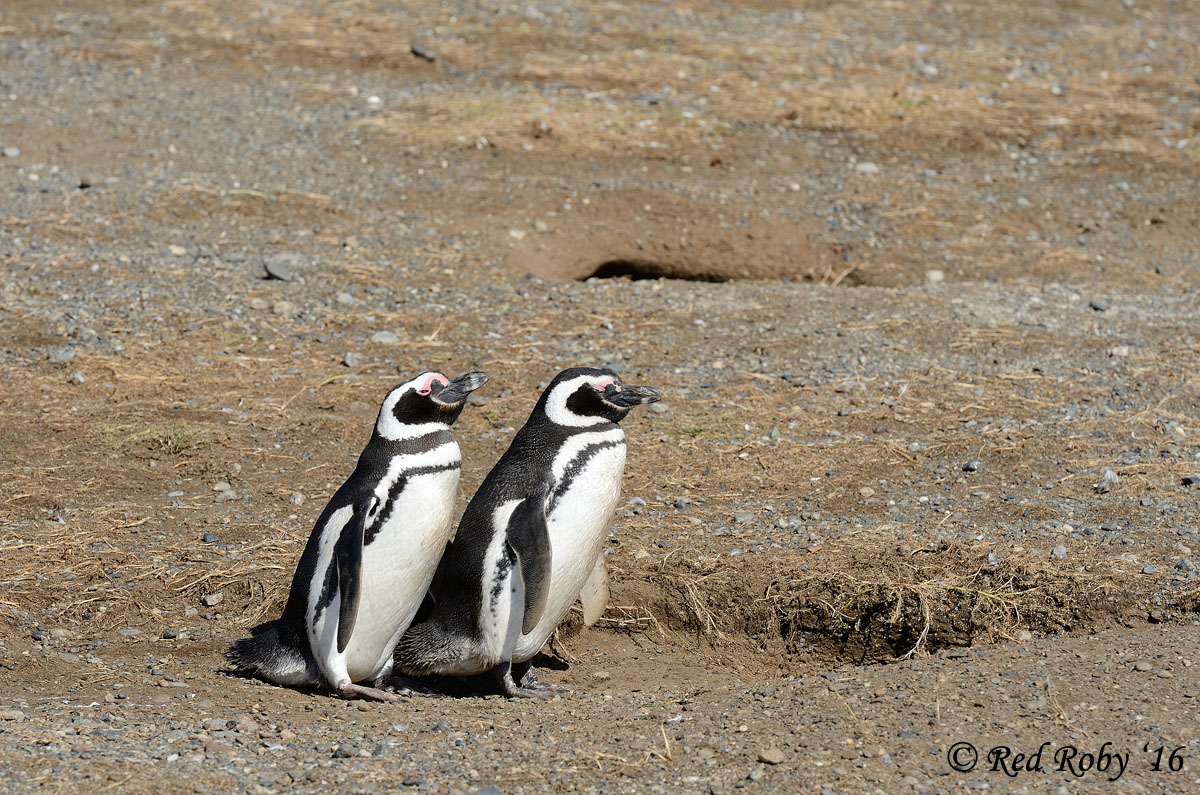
(459, 388)
(631, 395)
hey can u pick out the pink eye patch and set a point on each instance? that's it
(600, 386)
(427, 386)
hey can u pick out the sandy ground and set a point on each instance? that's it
(910, 276)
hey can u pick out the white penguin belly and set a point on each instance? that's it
(578, 525)
(397, 567)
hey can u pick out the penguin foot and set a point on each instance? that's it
(348, 690)
(407, 686)
(511, 689)
(529, 681)
(550, 690)
(525, 692)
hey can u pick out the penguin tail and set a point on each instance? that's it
(274, 654)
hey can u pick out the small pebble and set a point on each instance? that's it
(212, 599)
(934, 276)
(866, 167)
(1098, 306)
(971, 466)
(741, 517)
(1060, 552)
(385, 337)
(226, 496)
(11, 151)
(352, 359)
(210, 538)
(274, 269)
(1148, 569)
(1143, 666)
(770, 756)
(214, 748)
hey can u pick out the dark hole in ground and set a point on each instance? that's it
(638, 269)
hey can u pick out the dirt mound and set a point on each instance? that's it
(862, 604)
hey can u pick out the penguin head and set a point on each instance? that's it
(430, 398)
(583, 396)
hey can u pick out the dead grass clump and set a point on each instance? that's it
(881, 605)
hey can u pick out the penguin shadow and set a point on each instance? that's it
(249, 677)
(482, 685)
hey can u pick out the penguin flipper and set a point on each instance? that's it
(594, 596)
(529, 539)
(347, 553)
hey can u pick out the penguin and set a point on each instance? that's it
(531, 539)
(374, 549)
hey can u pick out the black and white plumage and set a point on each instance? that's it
(531, 540)
(374, 549)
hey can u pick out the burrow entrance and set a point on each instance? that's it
(642, 269)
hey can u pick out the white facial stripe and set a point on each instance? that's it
(578, 443)
(389, 427)
(556, 405)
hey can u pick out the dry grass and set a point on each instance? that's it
(872, 603)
